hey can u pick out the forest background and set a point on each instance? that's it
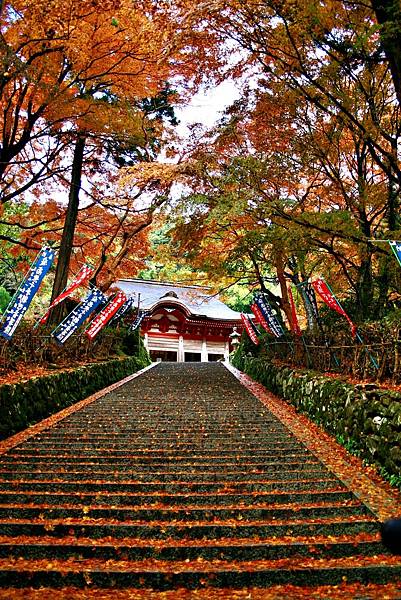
(299, 179)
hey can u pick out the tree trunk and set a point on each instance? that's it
(384, 276)
(285, 303)
(66, 245)
(388, 15)
(365, 302)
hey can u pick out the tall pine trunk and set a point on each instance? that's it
(66, 245)
(388, 15)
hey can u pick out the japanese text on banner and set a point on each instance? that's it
(105, 315)
(269, 316)
(26, 292)
(78, 316)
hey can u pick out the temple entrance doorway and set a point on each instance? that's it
(193, 357)
(163, 355)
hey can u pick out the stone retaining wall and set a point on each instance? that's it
(23, 404)
(366, 416)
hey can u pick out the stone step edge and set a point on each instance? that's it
(298, 494)
(152, 524)
(355, 539)
(367, 591)
(161, 566)
(176, 481)
(294, 507)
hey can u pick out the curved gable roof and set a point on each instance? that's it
(195, 299)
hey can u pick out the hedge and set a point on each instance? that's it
(23, 404)
(363, 416)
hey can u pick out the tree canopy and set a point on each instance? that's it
(300, 178)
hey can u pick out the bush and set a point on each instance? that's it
(36, 346)
(5, 298)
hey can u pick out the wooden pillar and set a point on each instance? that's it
(181, 351)
(204, 356)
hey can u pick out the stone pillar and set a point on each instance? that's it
(181, 352)
(204, 356)
(146, 340)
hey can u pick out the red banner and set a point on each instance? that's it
(295, 325)
(249, 329)
(321, 288)
(105, 315)
(259, 318)
(80, 278)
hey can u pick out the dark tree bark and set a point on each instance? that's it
(66, 245)
(388, 15)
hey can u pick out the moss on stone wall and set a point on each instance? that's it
(365, 415)
(23, 404)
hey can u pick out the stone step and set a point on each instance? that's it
(213, 513)
(177, 499)
(199, 530)
(171, 466)
(101, 486)
(162, 477)
(170, 449)
(159, 575)
(112, 462)
(244, 550)
(171, 457)
(251, 433)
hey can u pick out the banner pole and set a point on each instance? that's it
(357, 334)
(308, 358)
(21, 284)
(319, 324)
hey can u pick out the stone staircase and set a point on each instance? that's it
(181, 479)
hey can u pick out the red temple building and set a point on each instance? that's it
(183, 323)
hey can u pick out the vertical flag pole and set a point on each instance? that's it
(32, 265)
(357, 335)
(317, 318)
(308, 358)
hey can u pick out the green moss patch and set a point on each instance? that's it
(363, 415)
(26, 403)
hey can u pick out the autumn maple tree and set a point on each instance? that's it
(301, 176)
(80, 89)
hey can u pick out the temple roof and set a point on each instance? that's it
(197, 300)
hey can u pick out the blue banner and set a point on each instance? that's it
(309, 298)
(26, 292)
(127, 306)
(138, 320)
(396, 248)
(269, 315)
(78, 316)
